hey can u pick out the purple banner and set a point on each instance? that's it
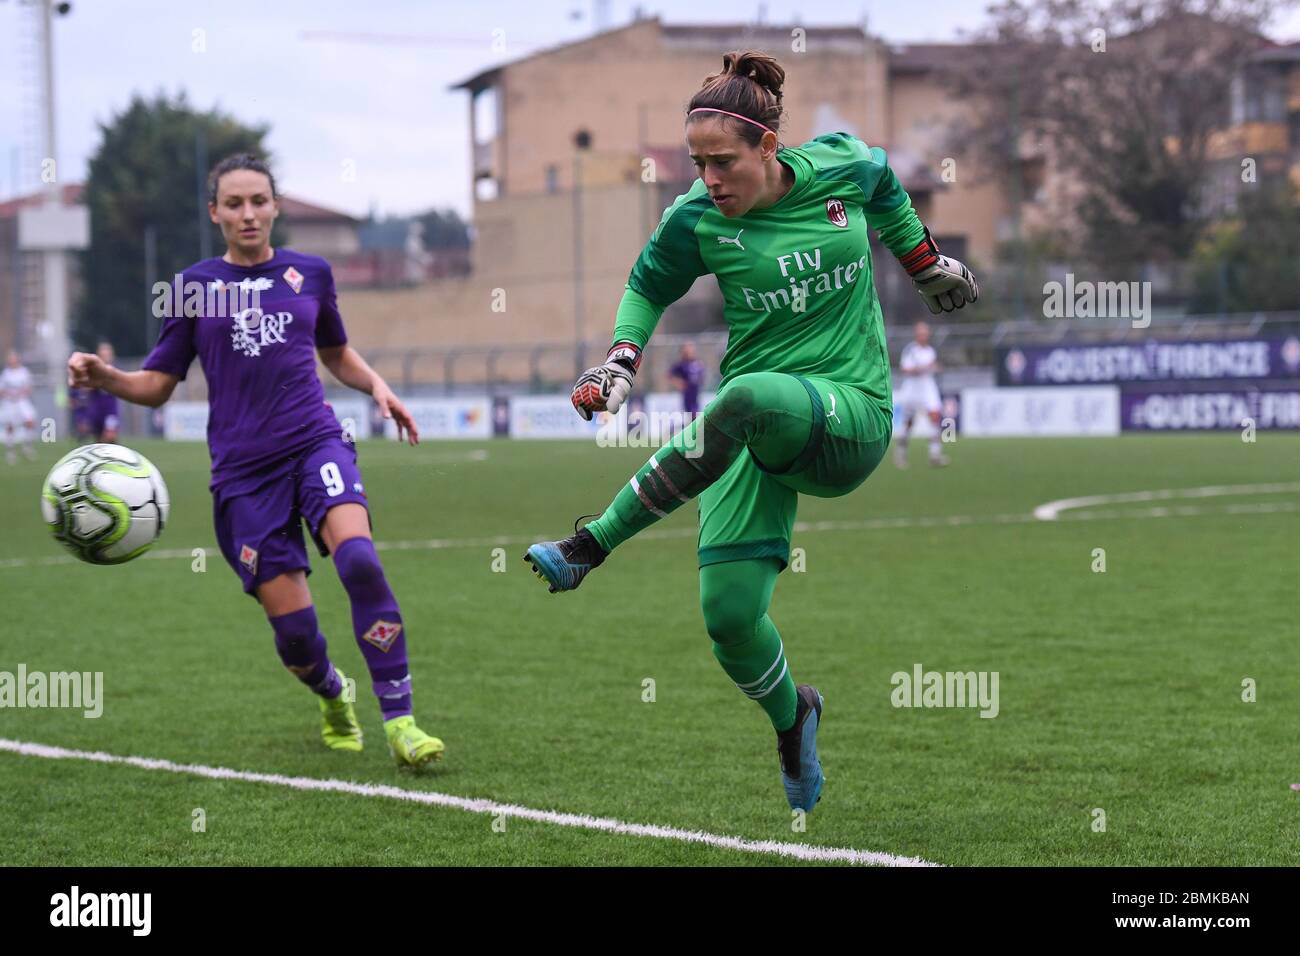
(1224, 360)
(1277, 408)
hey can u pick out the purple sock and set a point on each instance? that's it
(377, 623)
(301, 646)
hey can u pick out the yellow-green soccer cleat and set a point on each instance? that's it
(338, 721)
(409, 745)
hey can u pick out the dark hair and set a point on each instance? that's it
(749, 85)
(232, 163)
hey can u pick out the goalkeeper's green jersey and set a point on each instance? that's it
(795, 277)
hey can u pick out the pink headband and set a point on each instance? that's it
(710, 109)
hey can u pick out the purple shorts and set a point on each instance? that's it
(102, 422)
(259, 517)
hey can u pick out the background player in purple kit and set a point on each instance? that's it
(278, 454)
(99, 409)
(78, 407)
(688, 375)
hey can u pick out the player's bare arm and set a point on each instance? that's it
(146, 387)
(346, 364)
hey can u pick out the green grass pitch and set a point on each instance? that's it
(1120, 691)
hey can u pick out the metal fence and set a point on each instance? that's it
(550, 366)
(968, 352)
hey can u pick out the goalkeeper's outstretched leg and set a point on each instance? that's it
(773, 414)
(812, 435)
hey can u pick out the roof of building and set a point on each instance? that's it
(299, 210)
(706, 36)
(69, 195)
(903, 57)
(929, 57)
(1281, 53)
(291, 209)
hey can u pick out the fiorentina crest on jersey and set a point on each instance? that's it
(382, 634)
(836, 214)
(294, 278)
(248, 558)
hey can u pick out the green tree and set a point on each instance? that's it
(1122, 98)
(1247, 264)
(145, 173)
(444, 230)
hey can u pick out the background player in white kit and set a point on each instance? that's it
(17, 416)
(919, 392)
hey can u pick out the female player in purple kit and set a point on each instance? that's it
(279, 456)
(94, 412)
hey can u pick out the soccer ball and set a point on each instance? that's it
(105, 503)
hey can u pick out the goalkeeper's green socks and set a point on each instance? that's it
(734, 596)
(661, 486)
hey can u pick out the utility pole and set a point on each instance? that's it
(200, 188)
(581, 143)
(1017, 195)
(150, 277)
(578, 330)
(52, 228)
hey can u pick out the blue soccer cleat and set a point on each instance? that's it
(563, 564)
(801, 771)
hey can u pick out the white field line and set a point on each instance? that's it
(796, 851)
(811, 527)
(1052, 510)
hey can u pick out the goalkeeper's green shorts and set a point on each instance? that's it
(749, 512)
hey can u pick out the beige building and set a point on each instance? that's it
(606, 113)
(624, 94)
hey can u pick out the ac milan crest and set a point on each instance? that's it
(836, 214)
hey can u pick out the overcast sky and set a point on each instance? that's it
(384, 106)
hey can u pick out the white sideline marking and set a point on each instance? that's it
(1051, 510)
(807, 527)
(796, 851)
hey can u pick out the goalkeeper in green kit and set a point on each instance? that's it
(804, 405)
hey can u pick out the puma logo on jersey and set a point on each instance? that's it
(260, 284)
(735, 241)
(831, 413)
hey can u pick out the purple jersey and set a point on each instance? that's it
(691, 371)
(265, 401)
(79, 402)
(101, 405)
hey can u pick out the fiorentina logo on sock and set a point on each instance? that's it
(382, 634)
(248, 558)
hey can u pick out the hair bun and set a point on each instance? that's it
(749, 86)
(759, 67)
